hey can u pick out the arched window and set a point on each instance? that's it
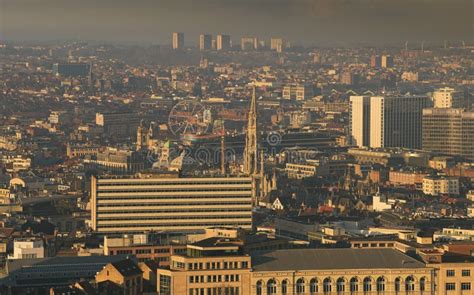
(410, 284)
(397, 285)
(327, 285)
(422, 284)
(271, 287)
(300, 286)
(354, 285)
(367, 284)
(284, 287)
(340, 285)
(313, 286)
(380, 285)
(259, 287)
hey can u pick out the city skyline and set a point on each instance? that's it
(316, 22)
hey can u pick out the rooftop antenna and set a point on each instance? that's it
(422, 46)
(463, 44)
(406, 45)
(445, 44)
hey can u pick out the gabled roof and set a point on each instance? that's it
(127, 267)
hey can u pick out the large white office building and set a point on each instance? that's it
(137, 204)
(387, 121)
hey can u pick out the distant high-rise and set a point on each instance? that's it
(359, 113)
(178, 40)
(205, 42)
(388, 121)
(386, 61)
(449, 131)
(248, 43)
(276, 44)
(448, 98)
(223, 42)
(375, 61)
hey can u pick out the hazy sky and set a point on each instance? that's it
(301, 21)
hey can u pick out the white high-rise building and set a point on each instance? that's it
(447, 98)
(387, 121)
(178, 40)
(359, 112)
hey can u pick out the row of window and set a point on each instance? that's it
(206, 203)
(177, 210)
(214, 278)
(177, 189)
(166, 225)
(452, 286)
(103, 184)
(217, 265)
(173, 217)
(179, 197)
(464, 273)
(327, 285)
(215, 291)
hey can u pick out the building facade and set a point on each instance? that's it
(170, 204)
(449, 131)
(178, 40)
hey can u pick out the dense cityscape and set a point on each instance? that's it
(236, 165)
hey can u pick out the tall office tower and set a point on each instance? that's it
(395, 121)
(375, 61)
(178, 40)
(448, 98)
(359, 114)
(449, 131)
(223, 42)
(251, 140)
(386, 61)
(153, 203)
(276, 44)
(205, 42)
(248, 43)
(388, 121)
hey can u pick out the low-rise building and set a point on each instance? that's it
(435, 186)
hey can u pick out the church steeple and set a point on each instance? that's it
(251, 141)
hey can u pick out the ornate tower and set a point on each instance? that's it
(251, 148)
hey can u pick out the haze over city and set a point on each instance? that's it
(236, 147)
(318, 22)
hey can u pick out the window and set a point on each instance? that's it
(410, 284)
(465, 286)
(340, 285)
(313, 286)
(327, 285)
(397, 285)
(284, 287)
(271, 287)
(380, 285)
(300, 286)
(450, 286)
(450, 273)
(259, 288)
(367, 284)
(354, 285)
(466, 273)
(422, 284)
(165, 285)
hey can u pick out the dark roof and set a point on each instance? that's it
(314, 259)
(456, 258)
(127, 267)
